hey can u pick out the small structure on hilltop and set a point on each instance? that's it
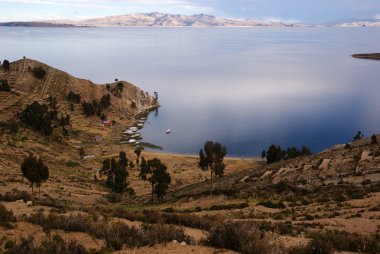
(106, 123)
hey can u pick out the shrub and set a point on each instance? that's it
(4, 86)
(9, 244)
(373, 139)
(244, 238)
(156, 234)
(270, 204)
(54, 245)
(229, 206)
(6, 65)
(38, 117)
(73, 97)
(72, 164)
(113, 197)
(15, 195)
(39, 72)
(352, 242)
(188, 220)
(6, 216)
(72, 223)
(315, 246)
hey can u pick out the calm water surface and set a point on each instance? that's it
(245, 87)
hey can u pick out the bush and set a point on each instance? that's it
(115, 234)
(352, 242)
(316, 246)
(6, 216)
(270, 204)
(6, 65)
(72, 164)
(244, 238)
(228, 206)
(72, 223)
(39, 72)
(54, 245)
(187, 220)
(113, 197)
(9, 244)
(373, 139)
(4, 86)
(15, 195)
(73, 97)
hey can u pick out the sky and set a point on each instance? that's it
(305, 11)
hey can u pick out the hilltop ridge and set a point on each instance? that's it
(27, 88)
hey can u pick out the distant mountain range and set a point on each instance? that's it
(157, 19)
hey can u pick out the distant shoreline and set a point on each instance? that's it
(372, 56)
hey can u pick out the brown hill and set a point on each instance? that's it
(27, 88)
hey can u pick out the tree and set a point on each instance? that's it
(358, 136)
(35, 171)
(274, 154)
(39, 72)
(123, 159)
(6, 65)
(263, 154)
(154, 171)
(212, 158)
(73, 97)
(305, 151)
(116, 172)
(373, 139)
(161, 180)
(120, 175)
(82, 153)
(4, 86)
(138, 153)
(39, 118)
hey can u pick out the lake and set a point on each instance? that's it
(244, 87)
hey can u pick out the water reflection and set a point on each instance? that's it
(246, 88)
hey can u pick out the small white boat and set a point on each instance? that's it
(129, 132)
(140, 125)
(168, 131)
(136, 135)
(132, 141)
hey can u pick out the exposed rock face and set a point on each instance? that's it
(26, 88)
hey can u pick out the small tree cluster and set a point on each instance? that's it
(373, 139)
(95, 107)
(6, 65)
(10, 125)
(118, 89)
(4, 86)
(116, 172)
(154, 171)
(138, 151)
(39, 72)
(35, 171)
(105, 101)
(275, 153)
(358, 136)
(73, 97)
(212, 158)
(40, 118)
